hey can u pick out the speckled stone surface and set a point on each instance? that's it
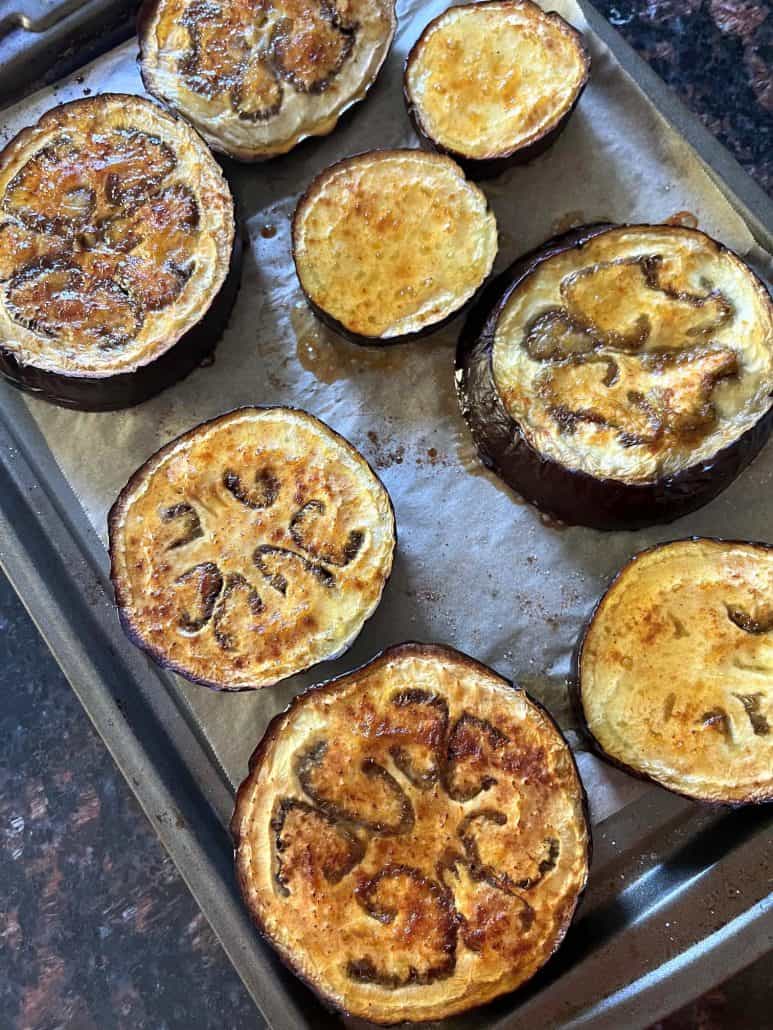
(97, 930)
(717, 56)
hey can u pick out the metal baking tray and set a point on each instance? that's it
(680, 895)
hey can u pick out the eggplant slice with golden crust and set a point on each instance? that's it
(412, 837)
(250, 548)
(674, 672)
(620, 376)
(391, 244)
(257, 78)
(119, 259)
(493, 84)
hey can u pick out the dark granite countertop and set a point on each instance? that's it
(97, 930)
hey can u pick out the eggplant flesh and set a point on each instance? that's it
(605, 377)
(250, 548)
(359, 260)
(255, 80)
(412, 837)
(674, 673)
(119, 259)
(493, 84)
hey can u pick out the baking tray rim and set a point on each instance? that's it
(58, 566)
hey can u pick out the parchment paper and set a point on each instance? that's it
(474, 568)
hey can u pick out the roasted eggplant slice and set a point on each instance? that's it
(257, 78)
(364, 268)
(119, 260)
(620, 376)
(412, 837)
(493, 84)
(212, 576)
(674, 673)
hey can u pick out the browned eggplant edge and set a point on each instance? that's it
(489, 167)
(574, 680)
(145, 15)
(119, 506)
(574, 496)
(410, 649)
(327, 319)
(126, 389)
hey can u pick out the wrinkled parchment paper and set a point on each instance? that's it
(474, 568)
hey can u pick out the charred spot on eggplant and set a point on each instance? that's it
(116, 276)
(392, 895)
(749, 623)
(421, 915)
(218, 507)
(501, 865)
(359, 262)
(200, 588)
(186, 519)
(417, 720)
(752, 704)
(305, 527)
(469, 841)
(256, 79)
(620, 376)
(369, 796)
(495, 919)
(263, 492)
(57, 301)
(308, 843)
(470, 752)
(717, 719)
(310, 44)
(493, 84)
(284, 556)
(236, 611)
(670, 686)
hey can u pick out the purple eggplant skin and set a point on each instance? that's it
(574, 680)
(574, 496)
(377, 342)
(329, 687)
(126, 389)
(480, 168)
(327, 319)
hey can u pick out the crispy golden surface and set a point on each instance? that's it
(486, 79)
(257, 76)
(116, 228)
(412, 836)
(637, 354)
(676, 670)
(250, 548)
(393, 241)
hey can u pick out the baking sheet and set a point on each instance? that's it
(474, 568)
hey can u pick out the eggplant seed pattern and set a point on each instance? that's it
(96, 232)
(234, 603)
(250, 52)
(649, 376)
